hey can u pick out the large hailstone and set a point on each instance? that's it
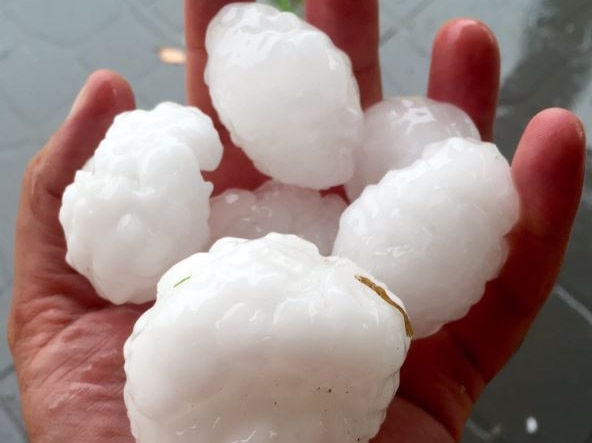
(434, 231)
(140, 204)
(276, 207)
(398, 130)
(286, 94)
(264, 340)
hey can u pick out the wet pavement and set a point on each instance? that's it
(545, 393)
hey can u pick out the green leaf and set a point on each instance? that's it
(294, 6)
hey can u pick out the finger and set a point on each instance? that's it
(353, 27)
(235, 170)
(548, 171)
(198, 14)
(40, 246)
(465, 71)
(444, 374)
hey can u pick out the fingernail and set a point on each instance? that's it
(580, 129)
(79, 100)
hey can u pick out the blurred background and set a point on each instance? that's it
(47, 49)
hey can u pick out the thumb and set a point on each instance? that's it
(40, 247)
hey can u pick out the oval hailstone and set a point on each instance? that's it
(139, 205)
(275, 207)
(286, 94)
(264, 340)
(398, 130)
(434, 231)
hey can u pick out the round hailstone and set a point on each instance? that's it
(286, 94)
(264, 340)
(275, 207)
(434, 231)
(398, 130)
(139, 205)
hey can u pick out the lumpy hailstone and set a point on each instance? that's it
(398, 130)
(276, 207)
(139, 205)
(286, 94)
(260, 341)
(434, 231)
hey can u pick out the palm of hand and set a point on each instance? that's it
(67, 342)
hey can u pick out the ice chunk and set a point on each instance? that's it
(275, 207)
(264, 340)
(286, 94)
(398, 130)
(434, 231)
(188, 125)
(140, 204)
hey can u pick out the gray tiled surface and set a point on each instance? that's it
(547, 58)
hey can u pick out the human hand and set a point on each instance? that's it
(67, 342)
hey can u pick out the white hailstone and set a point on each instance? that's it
(139, 205)
(286, 94)
(434, 231)
(397, 131)
(264, 340)
(275, 207)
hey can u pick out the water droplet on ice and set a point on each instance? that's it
(532, 426)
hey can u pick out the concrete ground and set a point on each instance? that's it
(47, 49)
